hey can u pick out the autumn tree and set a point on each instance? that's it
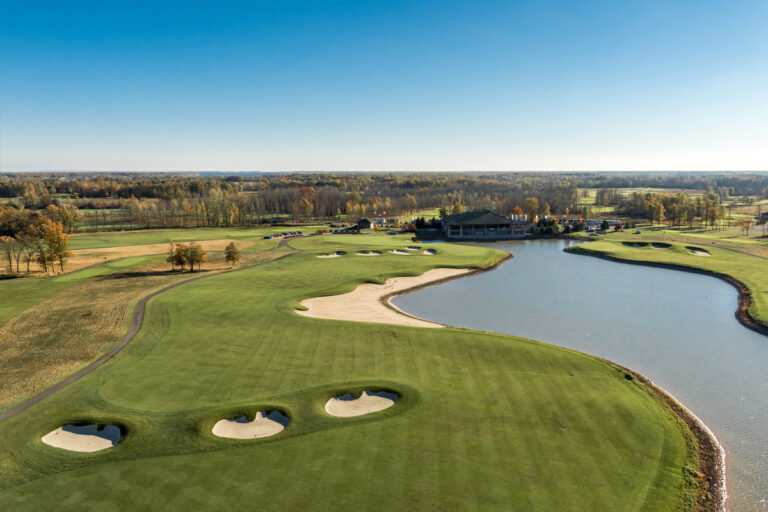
(232, 253)
(56, 242)
(8, 248)
(180, 256)
(28, 245)
(532, 205)
(517, 211)
(194, 253)
(171, 258)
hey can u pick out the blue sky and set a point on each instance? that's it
(384, 85)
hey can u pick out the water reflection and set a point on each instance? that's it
(675, 327)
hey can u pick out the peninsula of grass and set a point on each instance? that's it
(483, 421)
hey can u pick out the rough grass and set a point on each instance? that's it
(486, 422)
(67, 325)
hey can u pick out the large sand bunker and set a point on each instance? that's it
(400, 253)
(263, 425)
(635, 244)
(660, 245)
(369, 253)
(337, 254)
(84, 438)
(364, 303)
(347, 405)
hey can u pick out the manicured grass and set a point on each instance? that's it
(485, 421)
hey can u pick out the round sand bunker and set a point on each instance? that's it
(263, 425)
(698, 251)
(84, 438)
(347, 405)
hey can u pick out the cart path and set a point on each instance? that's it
(138, 318)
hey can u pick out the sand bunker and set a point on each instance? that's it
(660, 245)
(263, 425)
(347, 405)
(635, 244)
(698, 251)
(400, 253)
(429, 252)
(369, 253)
(412, 248)
(83, 438)
(364, 303)
(332, 255)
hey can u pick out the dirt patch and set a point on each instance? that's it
(82, 258)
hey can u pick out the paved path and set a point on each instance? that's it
(138, 318)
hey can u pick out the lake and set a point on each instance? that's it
(677, 328)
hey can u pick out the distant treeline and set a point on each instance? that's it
(104, 201)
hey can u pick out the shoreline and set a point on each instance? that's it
(710, 494)
(365, 304)
(711, 453)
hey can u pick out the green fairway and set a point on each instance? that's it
(484, 422)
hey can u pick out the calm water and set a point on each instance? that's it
(676, 328)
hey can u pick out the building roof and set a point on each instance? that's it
(477, 217)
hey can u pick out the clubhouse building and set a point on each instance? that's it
(483, 225)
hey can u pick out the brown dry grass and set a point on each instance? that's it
(86, 257)
(56, 337)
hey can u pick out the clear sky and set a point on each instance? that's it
(384, 85)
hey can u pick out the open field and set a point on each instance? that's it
(484, 421)
(56, 325)
(163, 236)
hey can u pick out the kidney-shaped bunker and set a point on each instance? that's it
(84, 438)
(265, 424)
(347, 405)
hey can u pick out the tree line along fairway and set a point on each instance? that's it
(486, 421)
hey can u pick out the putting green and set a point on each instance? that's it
(482, 422)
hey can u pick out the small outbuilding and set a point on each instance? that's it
(366, 223)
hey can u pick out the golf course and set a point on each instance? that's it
(477, 421)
